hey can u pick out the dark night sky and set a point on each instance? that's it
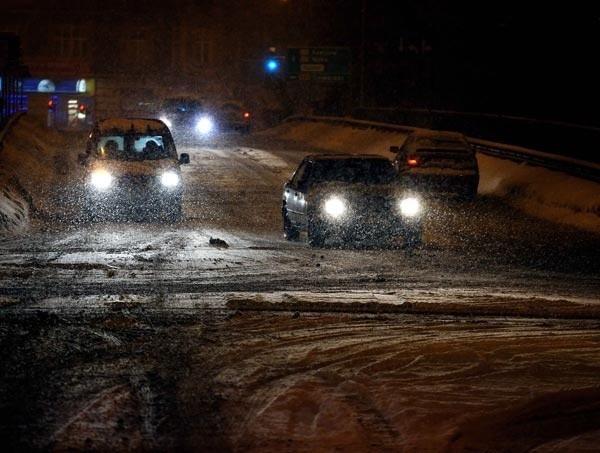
(517, 57)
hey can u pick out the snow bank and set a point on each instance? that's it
(27, 164)
(14, 209)
(544, 193)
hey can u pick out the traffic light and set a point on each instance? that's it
(272, 65)
(82, 111)
(272, 62)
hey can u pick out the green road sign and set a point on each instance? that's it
(324, 64)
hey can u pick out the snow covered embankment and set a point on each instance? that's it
(14, 209)
(540, 192)
(27, 167)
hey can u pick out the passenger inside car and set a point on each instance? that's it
(152, 150)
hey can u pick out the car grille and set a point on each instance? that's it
(137, 182)
(374, 203)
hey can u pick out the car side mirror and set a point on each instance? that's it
(394, 149)
(184, 158)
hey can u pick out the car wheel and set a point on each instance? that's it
(472, 194)
(174, 214)
(89, 214)
(413, 238)
(316, 236)
(467, 194)
(290, 232)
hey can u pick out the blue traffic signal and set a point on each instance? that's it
(272, 65)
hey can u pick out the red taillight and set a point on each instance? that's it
(246, 115)
(412, 162)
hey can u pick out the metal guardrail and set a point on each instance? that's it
(579, 168)
(574, 141)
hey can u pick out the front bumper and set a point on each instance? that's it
(133, 201)
(444, 185)
(368, 228)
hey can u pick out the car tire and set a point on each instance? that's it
(472, 194)
(174, 214)
(290, 232)
(413, 238)
(89, 214)
(316, 236)
(467, 194)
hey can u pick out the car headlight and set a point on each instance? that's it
(101, 179)
(410, 206)
(166, 121)
(169, 179)
(335, 207)
(205, 125)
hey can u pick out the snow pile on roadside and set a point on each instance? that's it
(540, 192)
(25, 176)
(14, 209)
(544, 193)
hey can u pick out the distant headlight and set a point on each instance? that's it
(335, 207)
(169, 179)
(205, 125)
(101, 179)
(410, 206)
(166, 121)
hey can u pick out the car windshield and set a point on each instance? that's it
(361, 171)
(132, 147)
(182, 105)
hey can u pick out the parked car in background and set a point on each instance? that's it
(438, 163)
(232, 116)
(349, 198)
(132, 170)
(187, 118)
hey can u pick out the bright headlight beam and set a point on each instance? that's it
(101, 179)
(169, 179)
(335, 207)
(205, 125)
(410, 206)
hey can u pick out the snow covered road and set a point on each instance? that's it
(147, 336)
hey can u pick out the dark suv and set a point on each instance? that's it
(132, 169)
(232, 116)
(187, 118)
(441, 164)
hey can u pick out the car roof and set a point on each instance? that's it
(182, 101)
(129, 124)
(321, 157)
(236, 104)
(434, 133)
